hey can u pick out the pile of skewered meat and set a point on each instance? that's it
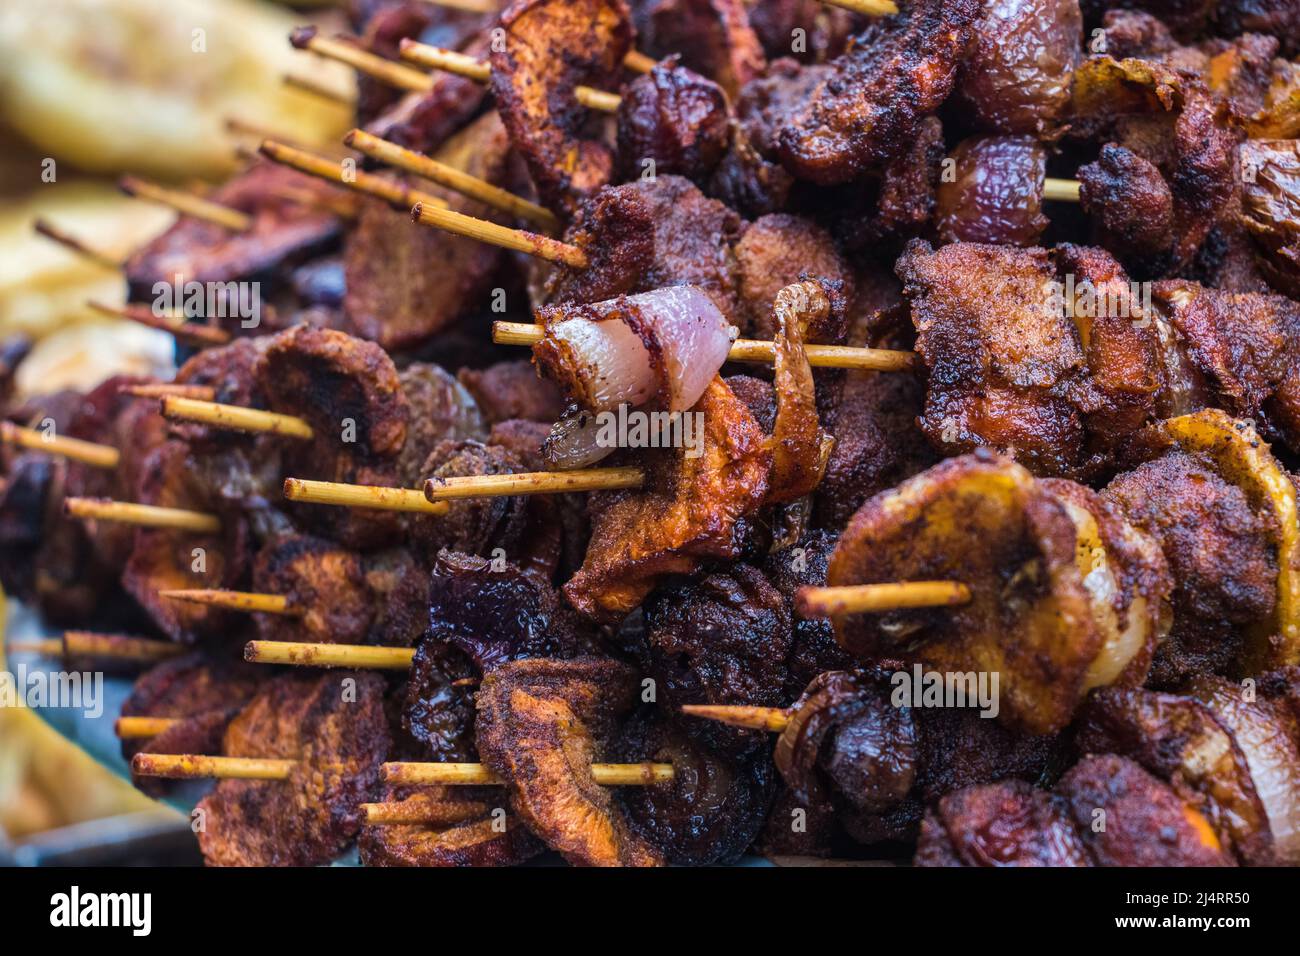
(870, 492)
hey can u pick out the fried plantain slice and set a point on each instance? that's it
(980, 519)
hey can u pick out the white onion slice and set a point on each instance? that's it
(599, 356)
(573, 442)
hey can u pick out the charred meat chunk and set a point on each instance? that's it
(675, 119)
(1001, 824)
(713, 37)
(510, 390)
(461, 829)
(324, 581)
(1130, 204)
(875, 95)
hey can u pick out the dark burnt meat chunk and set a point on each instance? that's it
(1278, 18)
(163, 559)
(1001, 824)
(202, 693)
(335, 729)
(1017, 72)
(508, 390)
(541, 724)
(714, 806)
(713, 38)
(231, 372)
(674, 118)
(1130, 205)
(473, 525)
(463, 828)
(438, 713)
(1146, 822)
(349, 391)
(1002, 356)
(326, 582)
(284, 233)
(812, 646)
(875, 95)
(399, 583)
(996, 194)
(721, 640)
(1175, 123)
(551, 47)
(393, 296)
(1198, 518)
(1270, 208)
(904, 201)
(494, 613)
(1244, 347)
(650, 234)
(1185, 18)
(750, 178)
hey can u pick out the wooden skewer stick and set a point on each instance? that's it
(520, 240)
(452, 62)
(198, 766)
(187, 204)
(751, 350)
(864, 598)
(194, 766)
(68, 241)
(417, 813)
(363, 61)
(302, 654)
(256, 131)
(389, 190)
(193, 332)
(144, 516)
(1062, 190)
(235, 600)
(313, 87)
(202, 393)
(361, 496)
(638, 62)
(533, 483)
(870, 8)
(476, 774)
(235, 417)
(452, 178)
(44, 646)
(88, 453)
(136, 728)
(741, 715)
(118, 646)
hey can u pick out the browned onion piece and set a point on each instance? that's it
(1266, 736)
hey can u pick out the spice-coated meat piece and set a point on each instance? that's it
(541, 724)
(334, 728)
(551, 47)
(442, 409)
(713, 38)
(324, 582)
(461, 827)
(875, 95)
(512, 390)
(675, 119)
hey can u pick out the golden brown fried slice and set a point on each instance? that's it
(800, 447)
(335, 728)
(690, 510)
(551, 47)
(541, 724)
(460, 829)
(981, 520)
(323, 580)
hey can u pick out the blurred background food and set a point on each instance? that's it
(89, 90)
